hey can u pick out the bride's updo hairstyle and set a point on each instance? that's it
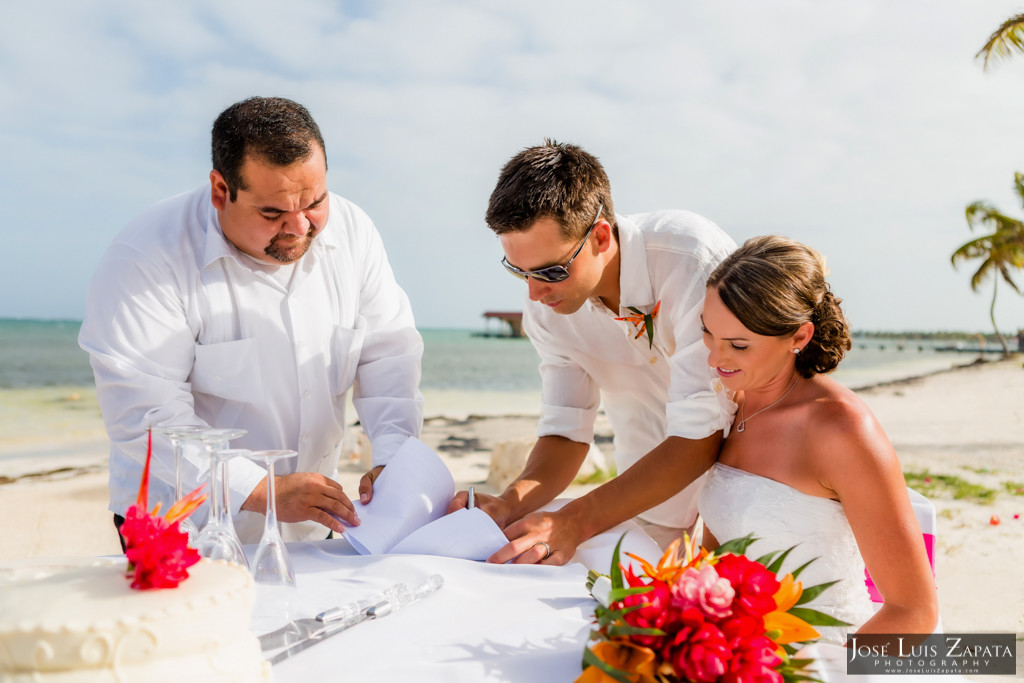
(773, 285)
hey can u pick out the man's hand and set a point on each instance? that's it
(366, 484)
(495, 507)
(540, 538)
(306, 496)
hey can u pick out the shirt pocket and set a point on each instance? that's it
(229, 370)
(346, 347)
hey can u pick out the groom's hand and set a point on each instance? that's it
(495, 507)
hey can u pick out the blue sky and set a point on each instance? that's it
(863, 129)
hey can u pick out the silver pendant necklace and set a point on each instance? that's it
(743, 420)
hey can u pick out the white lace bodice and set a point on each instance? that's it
(734, 503)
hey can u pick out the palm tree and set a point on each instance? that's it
(1006, 39)
(1000, 251)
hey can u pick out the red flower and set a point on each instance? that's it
(157, 549)
(754, 660)
(703, 656)
(655, 612)
(755, 586)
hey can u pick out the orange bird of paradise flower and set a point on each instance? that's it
(643, 322)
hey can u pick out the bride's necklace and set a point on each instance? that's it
(743, 420)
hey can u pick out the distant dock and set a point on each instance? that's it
(511, 327)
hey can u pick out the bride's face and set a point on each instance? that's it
(745, 361)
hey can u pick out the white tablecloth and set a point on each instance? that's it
(488, 623)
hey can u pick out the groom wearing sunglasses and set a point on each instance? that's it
(613, 310)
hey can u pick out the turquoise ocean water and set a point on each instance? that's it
(36, 353)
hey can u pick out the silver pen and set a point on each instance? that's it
(472, 499)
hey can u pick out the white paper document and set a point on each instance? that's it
(407, 512)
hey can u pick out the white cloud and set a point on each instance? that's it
(862, 128)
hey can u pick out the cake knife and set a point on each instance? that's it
(375, 611)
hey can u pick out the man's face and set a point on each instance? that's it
(281, 210)
(542, 245)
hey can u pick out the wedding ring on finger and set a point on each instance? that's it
(547, 549)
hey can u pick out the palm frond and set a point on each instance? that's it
(1004, 41)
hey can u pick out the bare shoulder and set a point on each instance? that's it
(848, 438)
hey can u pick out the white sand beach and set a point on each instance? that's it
(966, 423)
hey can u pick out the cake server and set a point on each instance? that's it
(325, 629)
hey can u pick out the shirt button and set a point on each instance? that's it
(303, 438)
(654, 359)
(305, 394)
(718, 386)
(216, 378)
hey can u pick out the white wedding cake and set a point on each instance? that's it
(86, 624)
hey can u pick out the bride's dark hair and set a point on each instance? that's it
(773, 285)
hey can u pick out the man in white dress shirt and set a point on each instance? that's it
(613, 310)
(256, 302)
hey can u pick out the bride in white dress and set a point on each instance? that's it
(805, 462)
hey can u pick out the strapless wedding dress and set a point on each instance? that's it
(734, 503)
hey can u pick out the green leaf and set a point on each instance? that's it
(814, 591)
(635, 310)
(816, 618)
(736, 546)
(627, 630)
(616, 571)
(799, 570)
(620, 593)
(590, 659)
(649, 326)
(767, 558)
(776, 564)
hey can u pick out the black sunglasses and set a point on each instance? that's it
(553, 273)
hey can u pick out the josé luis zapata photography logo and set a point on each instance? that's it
(936, 654)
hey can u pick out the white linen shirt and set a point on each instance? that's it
(182, 328)
(649, 393)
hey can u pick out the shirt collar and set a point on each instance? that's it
(635, 287)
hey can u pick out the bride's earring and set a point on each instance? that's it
(796, 351)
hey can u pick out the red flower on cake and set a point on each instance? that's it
(157, 550)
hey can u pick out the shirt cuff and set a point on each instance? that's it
(385, 446)
(700, 415)
(243, 478)
(576, 424)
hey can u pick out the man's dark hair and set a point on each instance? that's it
(272, 129)
(554, 180)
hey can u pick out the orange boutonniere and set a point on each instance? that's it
(643, 322)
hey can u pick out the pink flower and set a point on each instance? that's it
(705, 589)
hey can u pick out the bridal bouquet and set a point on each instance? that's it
(703, 617)
(157, 550)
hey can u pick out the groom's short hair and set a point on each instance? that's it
(554, 180)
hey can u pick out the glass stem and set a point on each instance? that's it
(225, 495)
(179, 454)
(215, 492)
(271, 499)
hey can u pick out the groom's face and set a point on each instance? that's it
(543, 245)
